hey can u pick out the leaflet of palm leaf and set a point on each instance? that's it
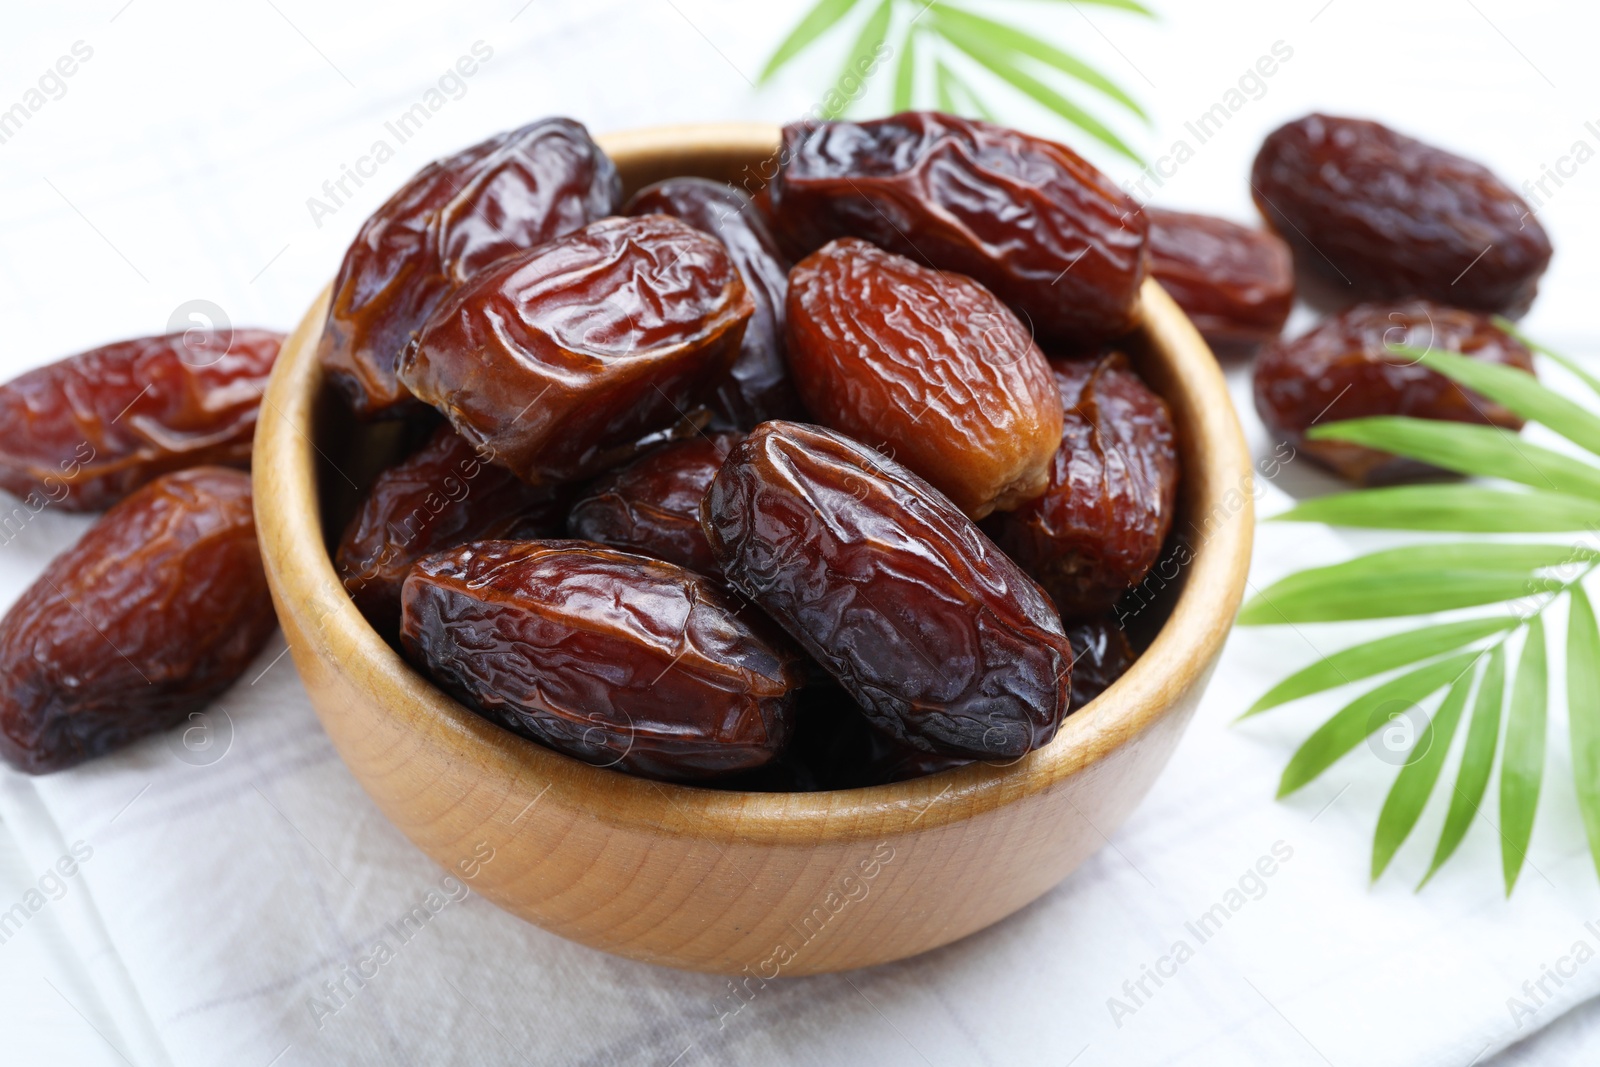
(1494, 664)
(930, 33)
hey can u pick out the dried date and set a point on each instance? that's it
(1381, 216)
(156, 611)
(442, 495)
(1344, 369)
(1099, 527)
(85, 431)
(1235, 284)
(652, 506)
(612, 658)
(452, 219)
(1027, 218)
(558, 359)
(929, 367)
(757, 387)
(1101, 655)
(948, 646)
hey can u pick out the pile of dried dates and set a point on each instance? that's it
(820, 491)
(835, 485)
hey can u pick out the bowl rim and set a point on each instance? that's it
(1217, 474)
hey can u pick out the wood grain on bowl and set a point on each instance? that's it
(719, 881)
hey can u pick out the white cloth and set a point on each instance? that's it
(218, 897)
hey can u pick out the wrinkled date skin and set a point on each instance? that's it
(1099, 527)
(557, 358)
(1027, 218)
(85, 431)
(612, 658)
(1343, 369)
(652, 506)
(1235, 284)
(835, 748)
(156, 611)
(1101, 653)
(757, 387)
(442, 495)
(452, 219)
(948, 646)
(927, 366)
(1381, 216)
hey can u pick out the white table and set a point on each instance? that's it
(176, 164)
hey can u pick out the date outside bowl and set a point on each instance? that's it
(709, 880)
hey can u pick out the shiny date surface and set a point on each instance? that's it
(1027, 218)
(948, 646)
(612, 658)
(558, 359)
(450, 221)
(85, 431)
(158, 609)
(927, 366)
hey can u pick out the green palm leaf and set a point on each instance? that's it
(905, 75)
(1522, 766)
(1414, 580)
(813, 24)
(1566, 361)
(1485, 451)
(945, 89)
(1477, 760)
(1376, 657)
(1121, 5)
(955, 22)
(1455, 508)
(1360, 718)
(950, 86)
(1413, 785)
(1003, 66)
(873, 33)
(1517, 391)
(1583, 712)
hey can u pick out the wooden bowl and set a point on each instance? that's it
(730, 882)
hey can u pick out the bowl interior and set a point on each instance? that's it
(1177, 619)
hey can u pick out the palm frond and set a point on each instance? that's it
(1012, 54)
(1413, 785)
(1453, 508)
(1477, 760)
(813, 24)
(1486, 451)
(1522, 765)
(1377, 657)
(1555, 492)
(1367, 714)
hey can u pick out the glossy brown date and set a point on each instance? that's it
(1381, 216)
(948, 646)
(442, 495)
(452, 219)
(1027, 218)
(1101, 655)
(559, 358)
(613, 658)
(156, 611)
(652, 506)
(1099, 527)
(757, 387)
(1344, 369)
(927, 366)
(1235, 284)
(85, 431)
